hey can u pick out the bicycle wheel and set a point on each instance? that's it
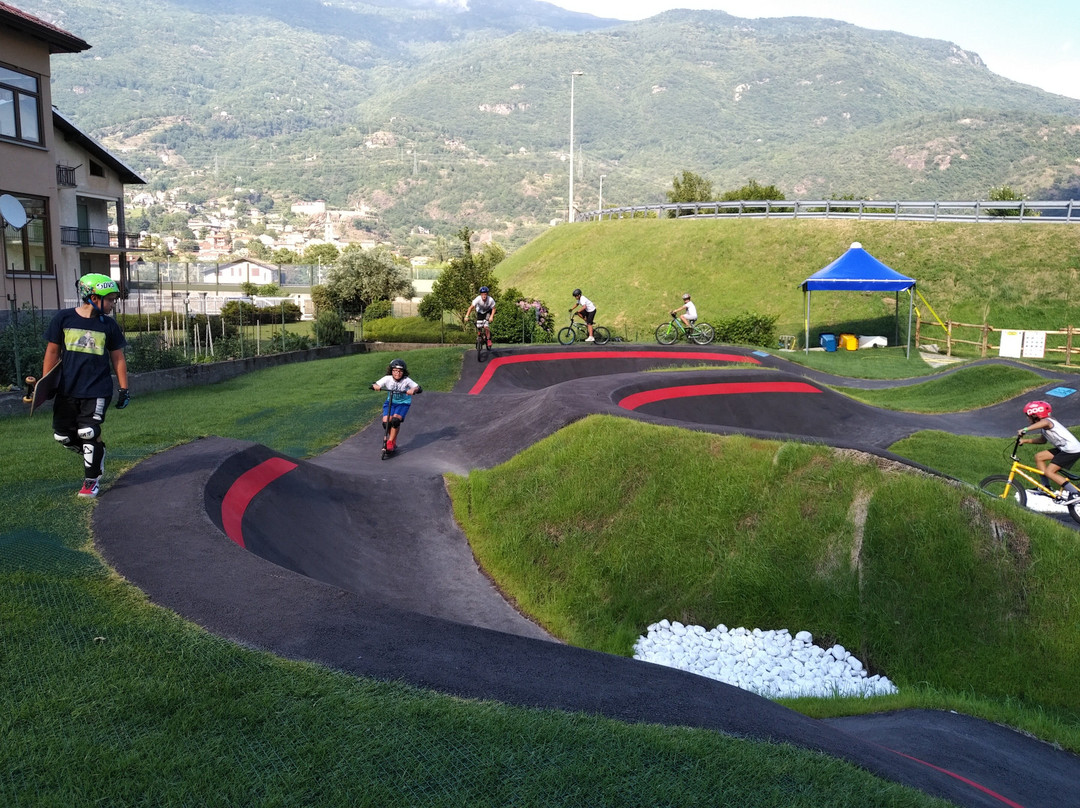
(1074, 512)
(480, 346)
(998, 485)
(567, 335)
(666, 334)
(601, 335)
(703, 334)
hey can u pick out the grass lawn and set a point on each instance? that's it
(106, 699)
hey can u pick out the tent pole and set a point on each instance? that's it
(806, 320)
(896, 314)
(910, 309)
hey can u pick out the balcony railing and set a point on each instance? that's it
(65, 176)
(103, 239)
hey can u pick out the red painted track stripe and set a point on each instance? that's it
(1004, 800)
(498, 362)
(632, 402)
(246, 487)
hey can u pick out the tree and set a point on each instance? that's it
(325, 254)
(362, 276)
(690, 188)
(460, 282)
(283, 255)
(754, 191)
(1004, 193)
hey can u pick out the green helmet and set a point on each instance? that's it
(96, 284)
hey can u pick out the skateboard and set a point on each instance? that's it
(38, 391)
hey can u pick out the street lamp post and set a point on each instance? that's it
(600, 203)
(570, 207)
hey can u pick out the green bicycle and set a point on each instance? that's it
(1008, 486)
(698, 332)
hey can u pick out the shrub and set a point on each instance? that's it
(329, 329)
(746, 329)
(148, 352)
(377, 310)
(27, 334)
(520, 320)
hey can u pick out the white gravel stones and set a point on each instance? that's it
(770, 663)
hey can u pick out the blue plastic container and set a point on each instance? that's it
(828, 342)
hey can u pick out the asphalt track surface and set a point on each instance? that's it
(356, 563)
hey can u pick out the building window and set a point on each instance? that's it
(20, 106)
(96, 169)
(26, 251)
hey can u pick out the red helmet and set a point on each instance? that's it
(1040, 409)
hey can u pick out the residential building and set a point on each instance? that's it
(70, 187)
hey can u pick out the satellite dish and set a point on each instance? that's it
(12, 211)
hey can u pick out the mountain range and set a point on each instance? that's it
(436, 115)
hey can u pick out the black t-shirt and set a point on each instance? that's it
(86, 343)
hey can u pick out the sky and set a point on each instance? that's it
(1034, 43)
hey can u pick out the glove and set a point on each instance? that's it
(123, 398)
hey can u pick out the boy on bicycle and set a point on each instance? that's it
(690, 317)
(397, 404)
(1066, 448)
(586, 310)
(484, 305)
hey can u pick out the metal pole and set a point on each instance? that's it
(600, 202)
(570, 205)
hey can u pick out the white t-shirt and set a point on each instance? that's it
(588, 304)
(1062, 439)
(483, 309)
(390, 384)
(691, 310)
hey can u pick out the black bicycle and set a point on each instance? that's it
(482, 332)
(580, 331)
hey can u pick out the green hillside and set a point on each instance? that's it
(1010, 275)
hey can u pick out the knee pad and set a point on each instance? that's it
(395, 422)
(68, 442)
(89, 432)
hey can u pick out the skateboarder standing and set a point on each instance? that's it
(397, 404)
(91, 345)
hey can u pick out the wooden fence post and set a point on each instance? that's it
(1068, 345)
(985, 337)
(948, 339)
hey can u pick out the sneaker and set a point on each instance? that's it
(90, 487)
(1068, 497)
(390, 446)
(590, 339)
(489, 345)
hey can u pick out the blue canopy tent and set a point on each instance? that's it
(858, 271)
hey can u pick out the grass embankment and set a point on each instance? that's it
(105, 699)
(966, 389)
(636, 270)
(964, 602)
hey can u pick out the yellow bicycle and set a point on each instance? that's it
(1009, 486)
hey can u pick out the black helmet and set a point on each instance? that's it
(397, 363)
(576, 293)
(483, 290)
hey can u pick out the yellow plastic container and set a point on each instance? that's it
(849, 342)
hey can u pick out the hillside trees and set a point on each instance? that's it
(362, 276)
(689, 187)
(460, 282)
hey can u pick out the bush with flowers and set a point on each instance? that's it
(520, 319)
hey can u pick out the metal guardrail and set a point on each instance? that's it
(1049, 212)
